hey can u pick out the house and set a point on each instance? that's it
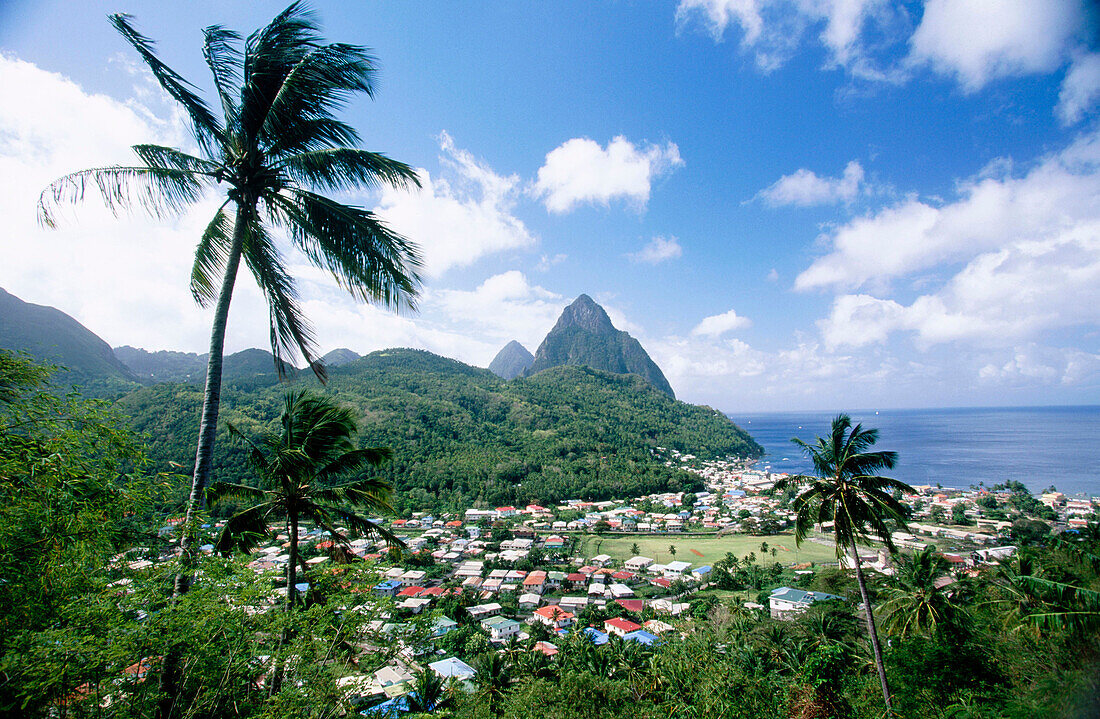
(596, 636)
(415, 604)
(453, 668)
(388, 588)
(785, 602)
(573, 603)
(554, 617)
(413, 578)
(442, 625)
(620, 591)
(675, 570)
(631, 605)
(638, 564)
(701, 573)
(500, 629)
(529, 601)
(620, 627)
(546, 648)
(601, 560)
(483, 611)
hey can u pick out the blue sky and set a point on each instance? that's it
(793, 204)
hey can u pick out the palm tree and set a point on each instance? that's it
(919, 602)
(297, 466)
(848, 491)
(271, 152)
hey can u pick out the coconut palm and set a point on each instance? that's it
(848, 491)
(297, 466)
(920, 600)
(271, 150)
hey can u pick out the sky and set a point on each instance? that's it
(792, 204)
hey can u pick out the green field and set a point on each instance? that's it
(705, 550)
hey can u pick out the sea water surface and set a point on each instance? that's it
(958, 447)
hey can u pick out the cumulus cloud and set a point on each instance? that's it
(716, 325)
(579, 172)
(1029, 364)
(771, 30)
(981, 40)
(502, 308)
(458, 221)
(1060, 193)
(804, 188)
(659, 249)
(1080, 90)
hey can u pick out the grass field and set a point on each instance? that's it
(706, 550)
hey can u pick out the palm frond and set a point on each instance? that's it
(319, 83)
(204, 125)
(223, 55)
(159, 191)
(169, 158)
(372, 492)
(269, 55)
(354, 461)
(211, 255)
(256, 455)
(365, 257)
(244, 530)
(344, 168)
(311, 135)
(291, 332)
(220, 491)
(358, 523)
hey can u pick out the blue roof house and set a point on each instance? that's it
(786, 602)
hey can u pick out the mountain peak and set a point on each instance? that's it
(586, 314)
(585, 336)
(511, 361)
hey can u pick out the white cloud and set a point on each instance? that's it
(982, 40)
(716, 325)
(1060, 193)
(1032, 364)
(548, 261)
(804, 188)
(772, 29)
(504, 307)
(579, 171)
(658, 250)
(1080, 90)
(457, 223)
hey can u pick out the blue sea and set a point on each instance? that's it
(1039, 446)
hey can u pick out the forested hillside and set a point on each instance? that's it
(462, 435)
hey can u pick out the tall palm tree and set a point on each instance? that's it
(297, 466)
(272, 151)
(847, 490)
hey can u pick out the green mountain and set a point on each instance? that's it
(168, 366)
(511, 361)
(460, 434)
(338, 357)
(584, 335)
(49, 334)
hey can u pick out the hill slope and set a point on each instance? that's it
(49, 334)
(460, 434)
(584, 335)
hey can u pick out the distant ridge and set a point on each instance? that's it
(585, 336)
(338, 357)
(49, 334)
(169, 366)
(511, 361)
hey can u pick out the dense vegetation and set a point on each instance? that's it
(83, 623)
(463, 436)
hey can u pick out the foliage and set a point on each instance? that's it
(460, 435)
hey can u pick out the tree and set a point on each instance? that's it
(275, 148)
(672, 550)
(296, 466)
(634, 549)
(917, 603)
(848, 491)
(958, 515)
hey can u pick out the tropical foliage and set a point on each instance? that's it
(848, 491)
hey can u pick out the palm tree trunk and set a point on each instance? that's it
(871, 631)
(292, 563)
(204, 455)
(211, 403)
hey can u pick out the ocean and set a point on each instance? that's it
(959, 447)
